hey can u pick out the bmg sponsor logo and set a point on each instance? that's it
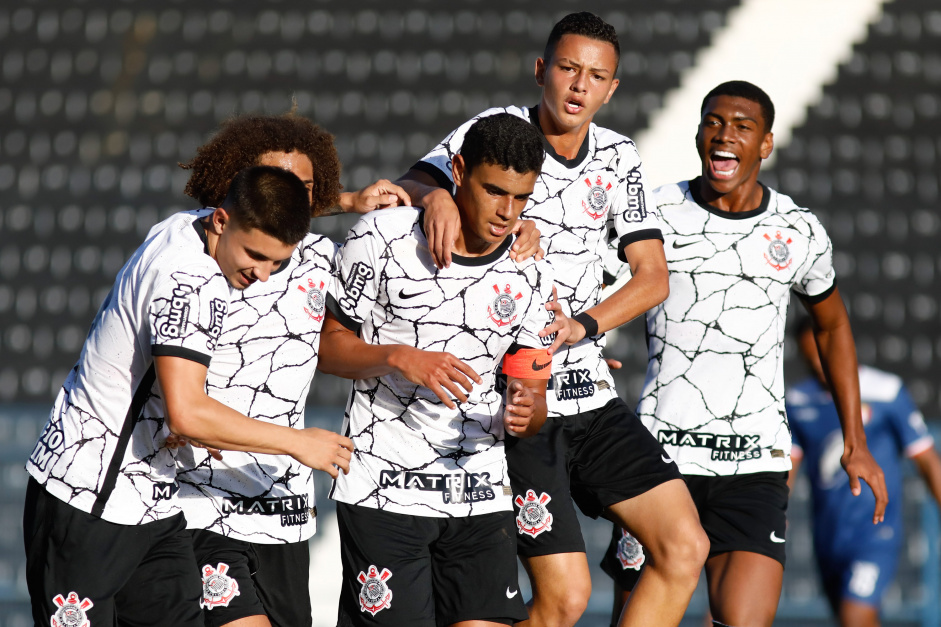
(179, 312)
(636, 204)
(359, 274)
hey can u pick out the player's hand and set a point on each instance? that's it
(380, 195)
(527, 241)
(323, 450)
(175, 441)
(442, 225)
(439, 372)
(613, 364)
(559, 325)
(520, 406)
(859, 464)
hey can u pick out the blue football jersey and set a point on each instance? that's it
(894, 427)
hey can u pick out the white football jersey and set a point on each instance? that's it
(99, 452)
(714, 392)
(262, 367)
(574, 205)
(413, 455)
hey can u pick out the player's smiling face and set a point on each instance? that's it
(244, 255)
(296, 163)
(490, 200)
(732, 142)
(576, 81)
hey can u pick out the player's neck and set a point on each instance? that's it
(468, 244)
(565, 141)
(212, 238)
(746, 196)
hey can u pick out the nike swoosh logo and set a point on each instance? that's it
(405, 296)
(666, 459)
(677, 245)
(538, 367)
(509, 594)
(776, 539)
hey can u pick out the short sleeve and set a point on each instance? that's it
(633, 216)
(187, 311)
(818, 280)
(355, 285)
(910, 425)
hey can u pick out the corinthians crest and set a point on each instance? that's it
(533, 518)
(218, 588)
(630, 552)
(375, 595)
(503, 308)
(778, 254)
(71, 612)
(316, 303)
(596, 202)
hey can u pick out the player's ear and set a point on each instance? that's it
(540, 72)
(767, 145)
(218, 221)
(614, 86)
(458, 169)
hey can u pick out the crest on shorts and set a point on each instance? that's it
(596, 202)
(630, 552)
(375, 594)
(503, 308)
(778, 254)
(71, 612)
(316, 303)
(218, 588)
(533, 518)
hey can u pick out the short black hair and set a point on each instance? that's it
(585, 24)
(748, 91)
(504, 140)
(272, 200)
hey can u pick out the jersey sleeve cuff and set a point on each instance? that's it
(166, 350)
(442, 179)
(818, 298)
(636, 236)
(919, 446)
(341, 316)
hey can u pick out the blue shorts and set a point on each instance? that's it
(860, 570)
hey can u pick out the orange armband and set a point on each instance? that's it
(528, 363)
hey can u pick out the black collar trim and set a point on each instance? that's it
(483, 260)
(729, 215)
(568, 163)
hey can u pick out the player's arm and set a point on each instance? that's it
(929, 466)
(796, 459)
(443, 222)
(380, 195)
(838, 357)
(344, 354)
(193, 414)
(648, 287)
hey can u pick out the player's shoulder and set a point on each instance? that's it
(784, 206)
(671, 194)
(386, 224)
(878, 386)
(520, 112)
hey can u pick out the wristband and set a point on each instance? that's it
(590, 324)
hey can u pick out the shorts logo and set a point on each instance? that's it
(179, 312)
(596, 203)
(71, 612)
(218, 588)
(359, 274)
(778, 254)
(636, 205)
(503, 308)
(316, 303)
(630, 552)
(533, 518)
(375, 595)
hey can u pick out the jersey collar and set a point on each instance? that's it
(729, 215)
(568, 163)
(461, 260)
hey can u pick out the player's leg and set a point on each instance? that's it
(864, 579)
(744, 588)
(856, 614)
(474, 571)
(387, 572)
(282, 582)
(548, 534)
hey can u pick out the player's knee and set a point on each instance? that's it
(683, 554)
(565, 605)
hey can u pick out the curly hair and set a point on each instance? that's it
(239, 143)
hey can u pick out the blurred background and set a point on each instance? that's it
(99, 101)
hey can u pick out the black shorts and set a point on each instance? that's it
(737, 512)
(597, 458)
(83, 568)
(243, 579)
(426, 572)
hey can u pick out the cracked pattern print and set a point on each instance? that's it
(414, 455)
(575, 205)
(262, 367)
(98, 451)
(714, 391)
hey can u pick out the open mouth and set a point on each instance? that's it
(574, 106)
(723, 164)
(498, 229)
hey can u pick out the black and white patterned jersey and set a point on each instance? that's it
(97, 452)
(412, 454)
(575, 204)
(262, 367)
(714, 392)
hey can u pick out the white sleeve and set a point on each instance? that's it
(187, 310)
(819, 278)
(356, 285)
(633, 213)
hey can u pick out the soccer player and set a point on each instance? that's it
(100, 506)
(856, 560)
(428, 501)
(593, 449)
(714, 393)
